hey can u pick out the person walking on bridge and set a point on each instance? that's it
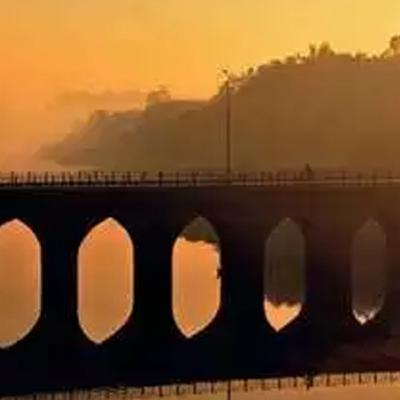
(308, 172)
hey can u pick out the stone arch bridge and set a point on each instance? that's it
(239, 343)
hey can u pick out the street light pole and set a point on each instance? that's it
(228, 122)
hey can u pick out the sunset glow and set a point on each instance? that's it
(295, 92)
(49, 48)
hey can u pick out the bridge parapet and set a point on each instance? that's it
(196, 178)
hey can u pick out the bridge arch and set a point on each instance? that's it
(105, 280)
(20, 280)
(284, 273)
(196, 286)
(368, 270)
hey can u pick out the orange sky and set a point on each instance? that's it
(48, 47)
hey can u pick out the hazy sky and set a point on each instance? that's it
(49, 46)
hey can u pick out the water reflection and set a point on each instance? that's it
(196, 294)
(105, 280)
(284, 274)
(281, 315)
(368, 270)
(20, 258)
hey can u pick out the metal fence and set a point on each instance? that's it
(197, 178)
(221, 387)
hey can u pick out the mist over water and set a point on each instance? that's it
(30, 120)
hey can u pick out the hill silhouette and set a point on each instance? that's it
(326, 108)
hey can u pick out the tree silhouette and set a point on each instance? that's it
(159, 95)
(331, 109)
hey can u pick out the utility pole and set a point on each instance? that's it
(229, 391)
(228, 122)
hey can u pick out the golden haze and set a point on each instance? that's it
(48, 48)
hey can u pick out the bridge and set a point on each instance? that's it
(239, 343)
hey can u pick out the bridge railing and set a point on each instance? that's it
(197, 178)
(217, 388)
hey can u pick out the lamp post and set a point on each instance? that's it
(228, 133)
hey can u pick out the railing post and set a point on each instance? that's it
(160, 178)
(194, 178)
(263, 178)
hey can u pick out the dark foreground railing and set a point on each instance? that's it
(220, 387)
(197, 178)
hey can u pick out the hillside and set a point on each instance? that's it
(328, 109)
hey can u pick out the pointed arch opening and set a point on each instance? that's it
(105, 280)
(368, 271)
(284, 274)
(196, 283)
(20, 281)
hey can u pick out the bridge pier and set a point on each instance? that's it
(153, 320)
(242, 300)
(144, 349)
(386, 324)
(52, 354)
(328, 313)
(236, 340)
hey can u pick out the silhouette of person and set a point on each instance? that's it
(309, 381)
(308, 172)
